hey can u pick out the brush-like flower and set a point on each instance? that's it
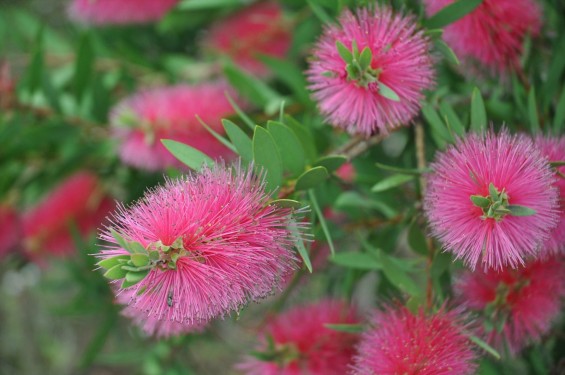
(554, 149)
(415, 344)
(10, 229)
(299, 342)
(141, 121)
(517, 306)
(200, 247)
(79, 200)
(368, 74)
(257, 30)
(108, 12)
(493, 33)
(491, 199)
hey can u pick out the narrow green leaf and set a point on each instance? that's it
(480, 201)
(352, 199)
(516, 210)
(391, 182)
(486, 347)
(348, 328)
(366, 58)
(358, 260)
(304, 135)
(120, 240)
(344, 52)
(217, 135)
(331, 162)
(319, 12)
(493, 192)
(252, 88)
(111, 262)
(559, 119)
(246, 119)
(323, 223)
(133, 278)
(387, 92)
(533, 112)
(451, 13)
(289, 146)
(417, 240)
(412, 171)
(115, 273)
(189, 156)
(434, 33)
(439, 131)
(311, 178)
(451, 119)
(240, 140)
(266, 158)
(290, 74)
(286, 203)
(446, 51)
(398, 277)
(139, 259)
(209, 4)
(83, 65)
(478, 112)
(302, 251)
(557, 163)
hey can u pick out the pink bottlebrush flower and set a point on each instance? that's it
(492, 34)
(10, 229)
(79, 199)
(346, 172)
(554, 150)
(517, 306)
(257, 30)
(215, 244)
(415, 344)
(298, 342)
(356, 95)
(141, 121)
(476, 197)
(108, 12)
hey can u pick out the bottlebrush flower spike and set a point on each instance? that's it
(517, 306)
(107, 12)
(200, 247)
(415, 344)
(10, 229)
(141, 121)
(368, 74)
(491, 200)
(493, 33)
(298, 342)
(554, 149)
(81, 199)
(257, 30)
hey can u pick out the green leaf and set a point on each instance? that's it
(391, 182)
(140, 260)
(559, 119)
(189, 156)
(286, 203)
(240, 112)
(451, 119)
(111, 262)
(252, 88)
(304, 135)
(358, 260)
(398, 277)
(289, 146)
(480, 201)
(387, 92)
(478, 112)
(34, 72)
(557, 163)
(83, 65)
(348, 328)
(533, 112)
(412, 171)
(451, 13)
(216, 135)
(365, 58)
(133, 278)
(446, 51)
(439, 132)
(323, 223)
(299, 243)
(516, 210)
(240, 140)
(120, 240)
(290, 74)
(115, 273)
(311, 178)
(266, 157)
(209, 4)
(493, 192)
(319, 12)
(417, 240)
(137, 248)
(331, 162)
(344, 52)
(352, 199)
(486, 347)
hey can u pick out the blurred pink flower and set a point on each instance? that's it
(141, 121)
(492, 235)
(10, 229)
(218, 242)
(492, 34)
(408, 344)
(257, 30)
(517, 306)
(79, 199)
(346, 172)
(554, 149)
(104, 12)
(298, 342)
(400, 60)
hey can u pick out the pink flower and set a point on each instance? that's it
(79, 199)
(104, 12)
(141, 121)
(478, 192)
(10, 229)
(347, 172)
(257, 30)
(356, 95)
(408, 344)
(493, 33)
(554, 150)
(517, 306)
(213, 242)
(298, 342)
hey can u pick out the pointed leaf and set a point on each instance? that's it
(323, 223)
(486, 347)
(266, 157)
(331, 162)
(533, 111)
(286, 203)
(133, 278)
(240, 140)
(344, 52)
(348, 328)
(391, 182)
(516, 210)
(115, 273)
(366, 58)
(387, 92)
(311, 178)
(112, 262)
(478, 112)
(452, 13)
(189, 156)
(358, 260)
(290, 148)
(140, 260)
(480, 201)
(446, 51)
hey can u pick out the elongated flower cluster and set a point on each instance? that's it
(491, 200)
(493, 33)
(104, 12)
(198, 248)
(141, 121)
(368, 73)
(415, 344)
(299, 342)
(517, 306)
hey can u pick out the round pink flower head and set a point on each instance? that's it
(107, 12)
(10, 228)
(199, 247)
(493, 33)
(141, 121)
(79, 199)
(415, 344)
(554, 149)
(256, 30)
(368, 74)
(517, 306)
(298, 342)
(491, 199)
